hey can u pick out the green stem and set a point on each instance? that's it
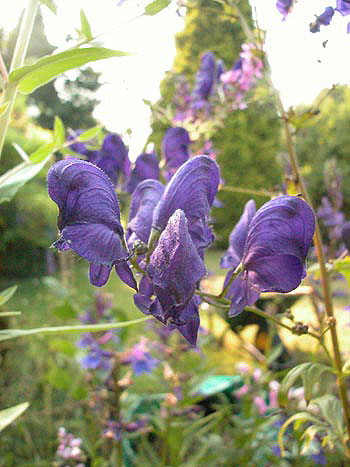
(247, 191)
(19, 54)
(238, 269)
(12, 333)
(213, 297)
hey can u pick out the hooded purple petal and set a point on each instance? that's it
(89, 217)
(146, 166)
(192, 189)
(190, 316)
(125, 274)
(175, 268)
(175, 149)
(99, 274)
(234, 253)
(242, 293)
(143, 202)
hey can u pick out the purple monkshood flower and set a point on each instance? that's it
(112, 158)
(324, 19)
(89, 218)
(143, 201)
(284, 7)
(175, 149)
(192, 189)
(205, 80)
(146, 167)
(174, 270)
(343, 6)
(140, 358)
(275, 240)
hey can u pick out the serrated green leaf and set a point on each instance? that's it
(85, 26)
(3, 108)
(6, 294)
(12, 180)
(308, 372)
(156, 6)
(59, 132)
(30, 77)
(311, 377)
(331, 411)
(7, 416)
(50, 5)
(89, 134)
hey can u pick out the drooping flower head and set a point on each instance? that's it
(277, 241)
(112, 158)
(175, 269)
(146, 167)
(284, 7)
(175, 146)
(89, 217)
(205, 80)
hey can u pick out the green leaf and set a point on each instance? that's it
(309, 372)
(6, 294)
(30, 77)
(7, 416)
(343, 267)
(89, 134)
(311, 377)
(59, 133)
(12, 180)
(64, 346)
(85, 26)
(50, 5)
(156, 6)
(331, 411)
(3, 108)
(59, 378)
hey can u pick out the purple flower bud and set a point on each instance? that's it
(284, 7)
(343, 6)
(205, 78)
(278, 239)
(146, 166)
(143, 202)
(175, 149)
(89, 217)
(192, 189)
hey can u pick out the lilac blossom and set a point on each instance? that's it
(89, 218)
(146, 167)
(175, 269)
(175, 147)
(284, 7)
(276, 241)
(324, 19)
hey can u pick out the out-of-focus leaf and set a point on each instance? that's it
(331, 411)
(156, 6)
(21, 152)
(30, 77)
(12, 180)
(65, 311)
(89, 134)
(343, 267)
(63, 345)
(59, 378)
(7, 416)
(6, 294)
(3, 108)
(51, 5)
(85, 26)
(58, 131)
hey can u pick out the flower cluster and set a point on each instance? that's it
(69, 452)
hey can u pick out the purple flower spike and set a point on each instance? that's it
(143, 202)
(205, 78)
(175, 149)
(146, 166)
(192, 189)
(284, 7)
(345, 235)
(278, 239)
(343, 6)
(234, 253)
(89, 217)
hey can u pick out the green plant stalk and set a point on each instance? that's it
(19, 54)
(337, 360)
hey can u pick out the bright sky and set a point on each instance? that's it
(294, 53)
